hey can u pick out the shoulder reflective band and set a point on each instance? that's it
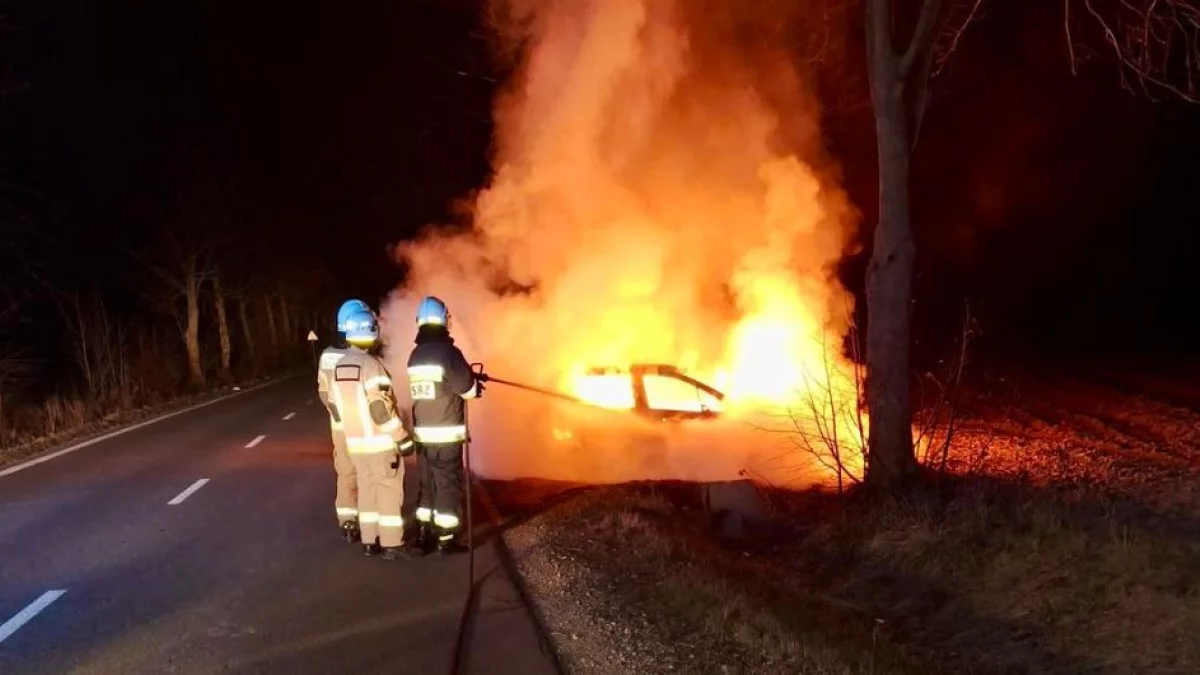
(452, 434)
(431, 373)
(329, 360)
(378, 382)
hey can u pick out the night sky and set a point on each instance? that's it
(1062, 206)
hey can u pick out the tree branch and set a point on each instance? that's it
(1153, 41)
(922, 36)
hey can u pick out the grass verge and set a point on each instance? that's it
(628, 581)
(984, 578)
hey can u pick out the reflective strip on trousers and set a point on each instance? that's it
(446, 521)
(347, 511)
(368, 517)
(391, 521)
(452, 434)
(424, 515)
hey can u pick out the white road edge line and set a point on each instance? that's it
(31, 610)
(289, 416)
(256, 441)
(188, 492)
(99, 439)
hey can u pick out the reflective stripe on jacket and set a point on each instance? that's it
(361, 391)
(440, 380)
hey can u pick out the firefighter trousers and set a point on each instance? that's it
(345, 500)
(380, 496)
(441, 495)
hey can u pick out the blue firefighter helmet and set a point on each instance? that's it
(362, 329)
(433, 312)
(350, 307)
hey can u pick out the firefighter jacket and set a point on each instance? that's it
(440, 380)
(329, 359)
(361, 400)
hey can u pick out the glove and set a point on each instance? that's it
(406, 447)
(479, 388)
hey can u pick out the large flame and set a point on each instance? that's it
(659, 195)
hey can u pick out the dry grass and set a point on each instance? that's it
(633, 558)
(990, 579)
(999, 579)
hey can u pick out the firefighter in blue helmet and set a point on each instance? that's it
(346, 495)
(361, 396)
(441, 381)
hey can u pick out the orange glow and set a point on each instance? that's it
(609, 390)
(662, 191)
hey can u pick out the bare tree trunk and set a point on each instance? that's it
(286, 318)
(271, 328)
(247, 331)
(891, 462)
(82, 340)
(192, 329)
(222, 329)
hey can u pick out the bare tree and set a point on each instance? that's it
(1156, 43)
(272, 330)
(182, 264)
(222, 328)
(243, 295)
(17, 366)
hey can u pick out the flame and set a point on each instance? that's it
(659, 194)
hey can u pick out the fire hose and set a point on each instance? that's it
(537, 390)
(468, 478)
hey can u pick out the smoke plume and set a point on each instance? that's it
(659, 194)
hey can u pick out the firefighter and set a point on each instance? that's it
(376, 440)
(440, 380)
(346, 496)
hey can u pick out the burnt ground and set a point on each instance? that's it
(1064, 538)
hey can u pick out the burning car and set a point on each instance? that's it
(664, 401)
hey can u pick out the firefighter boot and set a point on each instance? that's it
(350, 531)
(426, 540)
(449, 544)
(372, 548)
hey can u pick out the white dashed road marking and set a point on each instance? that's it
(33, 609)
(289, 416)
(188, 492)
(255, 442)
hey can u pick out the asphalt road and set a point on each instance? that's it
(186, 546)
